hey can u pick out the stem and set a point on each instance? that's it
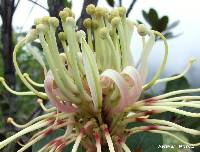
(161, 68)
(40, 94)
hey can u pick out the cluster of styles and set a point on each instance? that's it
(95, 87)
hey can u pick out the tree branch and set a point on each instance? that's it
(130, 7)
(16, 5)
(38, 5)
(120, 2)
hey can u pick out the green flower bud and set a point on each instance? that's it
(105, 12)
(54, 21)
(115, 21)
(87, 23)
(71, 21)
(104, 32)
(114, 13)
(45, 20)
(62, 36)
(63, 15)
(90, 9)
(37, 21)
(41, 28)
(31, 36)
(122, 11)
(99, 11)
(69, 12)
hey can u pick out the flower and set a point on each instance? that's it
(95, 87)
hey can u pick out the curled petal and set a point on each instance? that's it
(122, 85)
(136, 89)
(65, 107)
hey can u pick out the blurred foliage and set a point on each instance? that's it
(65, 3)
(1, 65)
(68, 3)
(53, 135)
(149, 142)
(175, 145)
(152, 18)
(1, 61)
(182, 84)
(25, 105)
(111, 2)
(144, 141)
(188, 122)
(160, 24)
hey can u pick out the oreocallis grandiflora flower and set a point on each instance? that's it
(95, 87)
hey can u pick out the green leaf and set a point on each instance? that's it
(68, 3)
(178, 84)
(187, 121)
(169, 116)
(50, 137)
(111, 2)
(1, 118)
(170, 35)
(195, 139)
(162, 24)
(153, 18)
(174, 143)
(1, 66)
(139, 22)
(146, 16)
(193, 123)
(145, 141)
(173, 25)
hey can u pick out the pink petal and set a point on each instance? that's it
(134, 75)
(122, 85)
(53, 95)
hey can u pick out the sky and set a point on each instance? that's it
(180, 49)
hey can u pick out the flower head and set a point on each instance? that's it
(95, 87)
